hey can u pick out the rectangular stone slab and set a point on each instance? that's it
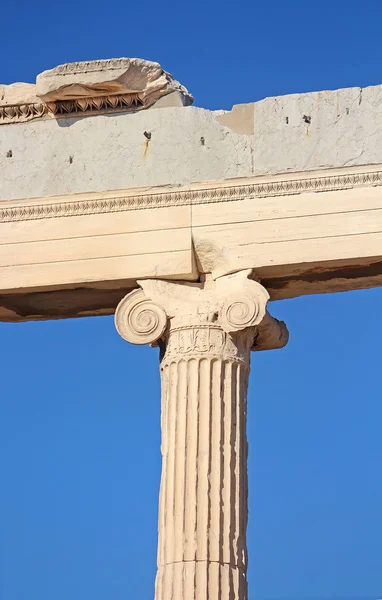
(301, 233)
(182, 145)
(40, 252)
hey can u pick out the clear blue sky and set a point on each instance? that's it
(79, 408)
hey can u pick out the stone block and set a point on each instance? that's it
(145, 80)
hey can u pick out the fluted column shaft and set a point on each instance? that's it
(205, 331)
(202, 551)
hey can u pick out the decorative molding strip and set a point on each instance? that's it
(326, 183)
(89, 66)
(226, 192)
(20, 113)
(97, 104)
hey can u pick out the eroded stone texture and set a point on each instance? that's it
(19, 103)
(18, 93)
(205, 332)
(240, 119)
(106, 152)
(318, 130)
(180, 145)
(109, 77)
(98, 86)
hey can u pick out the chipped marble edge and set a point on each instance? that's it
(108, 93)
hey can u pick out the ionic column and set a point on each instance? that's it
(205, 332)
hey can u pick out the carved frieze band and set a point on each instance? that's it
(89, 66)
(202, 340)
(179, 197)
(98, 104)
(20, 113)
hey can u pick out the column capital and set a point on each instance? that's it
(231, 303)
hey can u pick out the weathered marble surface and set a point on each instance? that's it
(318, 130)
(91, 87)
(19, 103)
(106, 152)
(180, 145)
(18, 93)
(106, 77)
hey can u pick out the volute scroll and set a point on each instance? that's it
(139, 320)
(244, 309)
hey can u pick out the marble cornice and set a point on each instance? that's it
(286, 184)
(20, 113)
(88, 88)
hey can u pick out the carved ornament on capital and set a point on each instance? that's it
(202, 317)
